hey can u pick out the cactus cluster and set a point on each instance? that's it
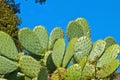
(47, 57)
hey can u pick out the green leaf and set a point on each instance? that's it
(58, 52)
(7, 46)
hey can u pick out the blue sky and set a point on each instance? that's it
(103, 16)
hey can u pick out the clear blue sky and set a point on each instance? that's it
(103, 16)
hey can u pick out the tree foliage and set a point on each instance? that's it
(9, 20)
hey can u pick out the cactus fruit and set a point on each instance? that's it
(7, 46)
(58, 50)
(82, 47)
(7, 66)
(54, 35)
(29, 66)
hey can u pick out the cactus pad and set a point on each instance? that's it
(97, 50)
(69, 52)
(84, 25)
(29, 66)
(6, 65)
(43, 74)
(73, 72)
(82, 47)
(30, 41)
(109, 41)
(58, 74)
(7, 46)
(107, 69)
(110, 54)
(54, 35)
(58, 52)
(41, 32)
(74, 30)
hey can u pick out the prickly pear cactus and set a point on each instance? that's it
(110, 54)
(29, 66)
(43, 74)
(82, 47)
(58, 50)
(109, 41)
(7, 46)
(42, 34)
(58, 74)
(69, 52)
(30, 41)
(73, 72)
(97, 50)
(77, 28)
(7, 66)
(54, 35)
(97, 61)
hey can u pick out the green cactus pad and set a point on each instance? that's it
(88, 72)
(82, 47)
(29, 66)
(58, 52)
(107, 69)
(110, 54)
(43, 74)
(58, 74)
(7, 46)
(84, 25)
(97, 50)
(74, 30)
(41, 32)
(69, 52)
(109, 41)
(83, 61)
(6, 65)
(30, 41)
(49, 62)
(54, 35)
(73, 72)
